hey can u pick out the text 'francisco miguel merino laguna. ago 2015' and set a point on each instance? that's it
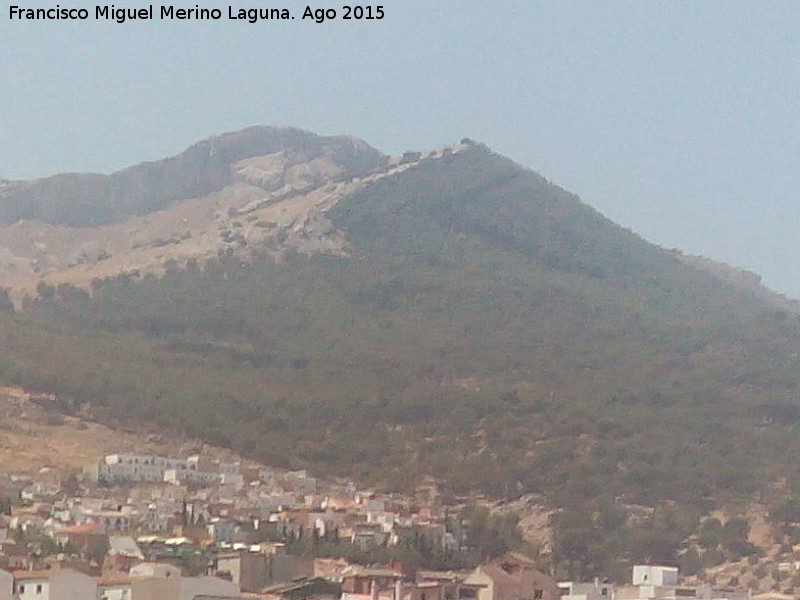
(170, 12)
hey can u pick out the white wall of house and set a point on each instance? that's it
(156, 588)
(6, 585)
(213, 586)
(137, 467)
(674, 592)
(596, 590)
(60, 585)
(30, 589)
(655, 575)
(160, 570)
(115, 592)
(72, 585)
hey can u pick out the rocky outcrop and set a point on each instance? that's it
(80, 199)
(254, 191)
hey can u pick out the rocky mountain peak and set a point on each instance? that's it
(255, 190)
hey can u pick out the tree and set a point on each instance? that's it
(6, 305)
(97, 549)
(734, 538)
(46, 292)
(786, 512)
(490, 535)
(711, 533)
(690, 561)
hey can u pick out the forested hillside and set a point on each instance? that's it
(483, 317)
(485, 327)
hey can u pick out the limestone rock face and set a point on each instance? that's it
(262, 189)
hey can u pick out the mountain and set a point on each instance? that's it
(92, 199)
(209, 198)
(446, 313)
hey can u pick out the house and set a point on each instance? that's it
(223, 529)
(253, 571)
(114, 587)
(123, 545)
(655, 575)
(250, 571)
(595, 590)
(171, 587)
(367, 536)
(191, 476)
(54, 584)
(47, 483)
(6, 585)
(396, 582)
(318, 588)
(129, 468)
(301, 482)
(123, 554)
(13, 556)
(513, 576)
(155, 581)
(449, 585)
(655, 582)
(191, 587)
(112, 520)
(371, 583)
(81, 535)
(330, 568)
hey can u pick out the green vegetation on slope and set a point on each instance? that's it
(487, 328)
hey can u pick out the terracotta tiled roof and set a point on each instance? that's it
(39, 574)
(81, 528)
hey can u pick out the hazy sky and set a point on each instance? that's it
(678, 119)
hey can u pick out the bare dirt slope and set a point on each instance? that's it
(32, 437)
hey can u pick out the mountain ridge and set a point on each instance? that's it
(262, 167)
(450, 312)
(26, 224)
(201, 169)
(446, 314)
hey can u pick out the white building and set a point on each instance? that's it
(159, 570)
(123, 468)
(181, 476)
(153, 581)
(60, 584)
(651, 582)
(6, 585)
(138, 468)
(655, 575)
(115, 590)
(596, 590)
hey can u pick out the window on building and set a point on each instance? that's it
(38, 588)
(538, 594)
(21, 588)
